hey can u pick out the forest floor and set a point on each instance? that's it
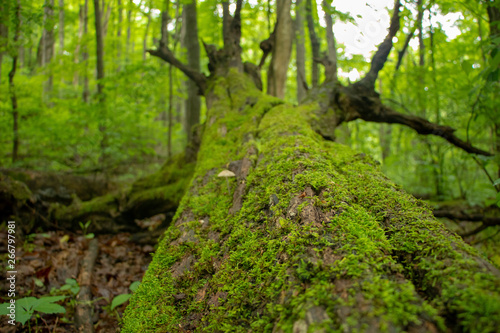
(49, 264)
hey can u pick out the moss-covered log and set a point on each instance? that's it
(158, 193)
(309, 236)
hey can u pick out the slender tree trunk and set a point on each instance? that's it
(300, 50)
(99, 51)
(105, 19)
(331, 59)
(12, 88)
(61, 27)
(315, 44)
(494, 22)
(281, 51)
(100, 83)
(4, 34)
(85, 55)
(119, 36)
(145, 39)
(436, 154)
(193, 102)
(129, 28)
(46, 50)
(78, 47)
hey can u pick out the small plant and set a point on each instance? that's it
(85, 228)
(72, 286)
(120, 299)
(26, 307)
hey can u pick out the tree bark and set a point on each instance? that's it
(308, 235)
(129, 27)
(145, 39)
(119, 36)
(300, 51)
(77, 55)
(61, 27)
(494, 23)
(85, 54)
(330, 61)
(100, 84)
(46, 46)
(99, 51)
(193, 102)
(12, 88)
(4, 35)
(282, 49)
(315, 43)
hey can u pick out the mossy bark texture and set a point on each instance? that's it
(310, 237)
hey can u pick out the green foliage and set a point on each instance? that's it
(122, 298)
(71, 285)
(26, 307)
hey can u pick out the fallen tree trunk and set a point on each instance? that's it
(308, 236)
(158, 193)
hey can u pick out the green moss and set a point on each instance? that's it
(17, 189)
(322, 239)
(78, 209)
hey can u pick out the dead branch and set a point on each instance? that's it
(167, 55)
(383, 51)
(83, 311)
(366, 104)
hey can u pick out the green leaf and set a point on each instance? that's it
(3, 309)
(50, 299)
(134, 285)
(50, 308)
(39, 283)
(496, 182)
(119, 300)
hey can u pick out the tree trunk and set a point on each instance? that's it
(307, 235)
(99, 51)
(330, 61)
(282, 50)
(145, 39)
(100, 83)
(300, 50)
(85, 54)
(4, 35)
(12, 88)
(315, 44)
(129, 27)
(61, 27)
(494, 22)
(193, 101)
(46, 46)
(119, 36)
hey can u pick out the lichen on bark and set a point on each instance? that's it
(310, 237)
